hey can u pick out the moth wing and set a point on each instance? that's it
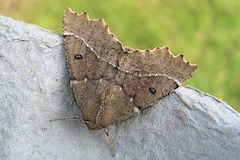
(157, 62)
(95, 34)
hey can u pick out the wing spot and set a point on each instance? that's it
(78, 56)
(152, 90)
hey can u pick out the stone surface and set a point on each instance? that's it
(34, 85)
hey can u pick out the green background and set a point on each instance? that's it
(207, 32)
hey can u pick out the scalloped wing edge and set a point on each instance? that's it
(124, 48)
(101, 20)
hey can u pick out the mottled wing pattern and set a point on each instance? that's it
(112, 83)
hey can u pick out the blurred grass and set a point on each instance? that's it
(206, 32)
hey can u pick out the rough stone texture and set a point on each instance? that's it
(34, 85)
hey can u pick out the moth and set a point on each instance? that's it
(112, 83)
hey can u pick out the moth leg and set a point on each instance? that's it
(111, 142)
(62, 118)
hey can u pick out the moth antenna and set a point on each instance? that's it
(111, 142)
(62, 118)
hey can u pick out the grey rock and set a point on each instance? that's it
(34, 88)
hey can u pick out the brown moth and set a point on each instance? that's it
(112, 83)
